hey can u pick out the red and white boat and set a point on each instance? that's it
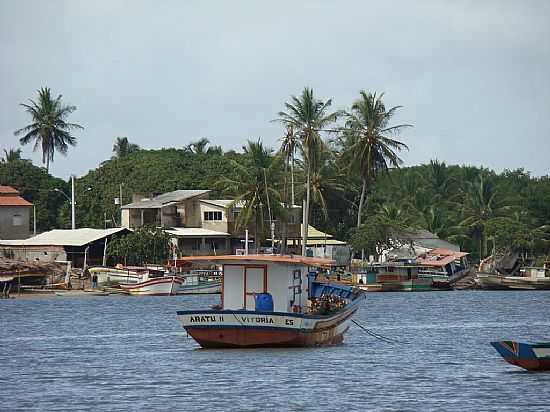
(163, 285)
(273, 301)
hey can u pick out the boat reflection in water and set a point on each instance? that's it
(273, 301)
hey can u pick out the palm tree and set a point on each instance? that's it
(11, 155)
(199, 146)
(370, 140)
(253, 187)
(122, 147)
(480, 206)
(49, 128)
(289, 143)
(308, 116)
(325, 180)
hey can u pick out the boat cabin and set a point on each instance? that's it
(285, 278)
(532, 272)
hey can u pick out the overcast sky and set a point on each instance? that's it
(472, 76)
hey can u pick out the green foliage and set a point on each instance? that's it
(256, 185)
(145, 245)
(122, 147)
(37, 186)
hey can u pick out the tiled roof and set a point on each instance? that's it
(9, 196)
(8, 190)
(13, 201)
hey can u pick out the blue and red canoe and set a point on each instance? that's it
(533, 357)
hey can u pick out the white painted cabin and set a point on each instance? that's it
(284, 277)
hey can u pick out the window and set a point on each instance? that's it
(17, 220)
(213, 216)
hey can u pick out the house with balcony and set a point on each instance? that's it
(199, 225)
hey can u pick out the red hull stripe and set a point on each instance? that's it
(257, 338)
(530, 364)
(149, 282)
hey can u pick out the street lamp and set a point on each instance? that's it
(71, 201)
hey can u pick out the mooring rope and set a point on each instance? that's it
(377, 335)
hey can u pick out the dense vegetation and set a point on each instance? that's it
(345, 165)
(474, 207)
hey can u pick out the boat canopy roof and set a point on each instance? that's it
(286, 259)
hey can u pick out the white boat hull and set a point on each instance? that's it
(163, 286)
(109, 275)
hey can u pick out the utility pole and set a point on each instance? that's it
(34, 218)
(73, 217)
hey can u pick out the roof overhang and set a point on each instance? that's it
(251, 259)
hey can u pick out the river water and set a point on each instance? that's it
(127, 353)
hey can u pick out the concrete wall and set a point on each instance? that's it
(14, 222)
(218, 226)
(34, 254)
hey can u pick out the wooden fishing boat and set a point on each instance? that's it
(161, 286)
(533, 357)
(199, 282)
(273, 301)
(107, 275)
(530, 278)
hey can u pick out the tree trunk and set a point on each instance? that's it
(306, 216)
(47, 164)
(284, 220)
(292, 179)
(361, 202)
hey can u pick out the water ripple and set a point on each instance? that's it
(121, 354)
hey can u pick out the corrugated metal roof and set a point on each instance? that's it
(225, 203)
(164, 199)
(440, 257)
(62, 237)
(195, 232)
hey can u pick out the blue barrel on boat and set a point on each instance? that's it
(264, 302)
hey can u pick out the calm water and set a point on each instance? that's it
(125, 353)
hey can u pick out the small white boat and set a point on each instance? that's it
(107, 275)
(162, 286)
(201, 282)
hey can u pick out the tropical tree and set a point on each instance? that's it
(480, 206)
(11, 155)
(254, 187)
(326, 183)
(122, 147)
(289, 144)
(49, 128)
(371, 141)
(308, 116)
(202, 146)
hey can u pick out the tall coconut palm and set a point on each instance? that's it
(122, 147)
(254, 187)
(49, 128)
(370, 140)
(480, 206)
(308, 116)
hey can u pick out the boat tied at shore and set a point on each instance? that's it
(273, 301)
